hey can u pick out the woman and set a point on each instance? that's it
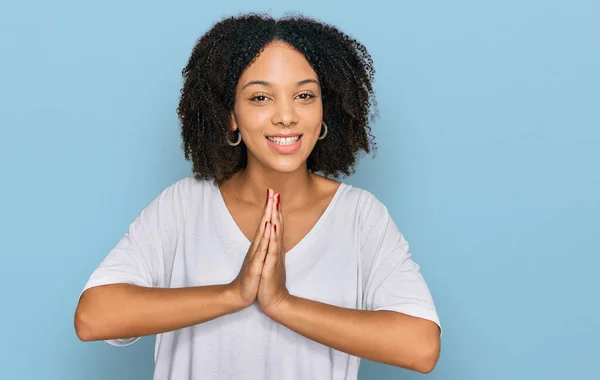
(257, 267)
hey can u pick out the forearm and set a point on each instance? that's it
(382, 336)
(125, 311)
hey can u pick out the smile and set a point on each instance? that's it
(284, 140)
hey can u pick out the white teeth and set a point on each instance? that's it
(284, 140)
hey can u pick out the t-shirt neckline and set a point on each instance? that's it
(243, 241)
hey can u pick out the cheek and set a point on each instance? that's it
(251, 115)
(311, 115)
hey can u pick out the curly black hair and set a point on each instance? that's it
(344, 69)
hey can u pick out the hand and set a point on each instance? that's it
(272, 291)
(245, 285)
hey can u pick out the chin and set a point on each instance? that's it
(286, 165)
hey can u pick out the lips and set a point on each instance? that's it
(285, 144)
(288, 140)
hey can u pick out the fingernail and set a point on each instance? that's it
(275, 227)
(267, 201)
(266, 223)
(277, 205)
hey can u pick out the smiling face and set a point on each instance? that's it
(278, 88)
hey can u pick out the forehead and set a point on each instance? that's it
(279, 63)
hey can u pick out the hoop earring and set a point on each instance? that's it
(324, 133)
(237, 142)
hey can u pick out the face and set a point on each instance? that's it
(278, 88)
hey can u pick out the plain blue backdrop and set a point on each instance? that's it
(489, 161)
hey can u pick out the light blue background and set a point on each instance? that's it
(489, 161)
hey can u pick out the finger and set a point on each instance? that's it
(269, 204)
(259, 254)
(258, 238)
(266, 216)
(277, 219)
(279, 235)
(280, 218)
(266, 220)
(279, 256)
(278, 243)
(273, 249)
(275, 210)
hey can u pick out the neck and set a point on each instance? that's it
(254, 180)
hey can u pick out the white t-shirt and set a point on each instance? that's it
(353, 257)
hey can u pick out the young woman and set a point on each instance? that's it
(256, 267)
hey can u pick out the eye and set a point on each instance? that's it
(305, 96)
(259, 98)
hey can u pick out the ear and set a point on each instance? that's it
(234, 125)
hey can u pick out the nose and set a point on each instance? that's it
(285, 112)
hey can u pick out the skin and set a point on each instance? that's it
(383, 336)
(279, 87)
(259, 111)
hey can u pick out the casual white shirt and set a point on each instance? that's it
(354, 257)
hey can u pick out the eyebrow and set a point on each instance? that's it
(267, 84)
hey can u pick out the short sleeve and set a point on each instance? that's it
(141, 255)
(391, 279)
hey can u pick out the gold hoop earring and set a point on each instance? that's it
(324, 133)
(238, 141)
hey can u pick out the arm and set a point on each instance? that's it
(126, 296)
(398, 326)
(384, 336)
(119, 311)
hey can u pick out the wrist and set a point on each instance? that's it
(279, 311)
(233, 298)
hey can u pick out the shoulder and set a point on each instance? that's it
(360, 210)
(179, 194)
(187, 186)
(366, 204)
(349, 196)
(366, 214)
